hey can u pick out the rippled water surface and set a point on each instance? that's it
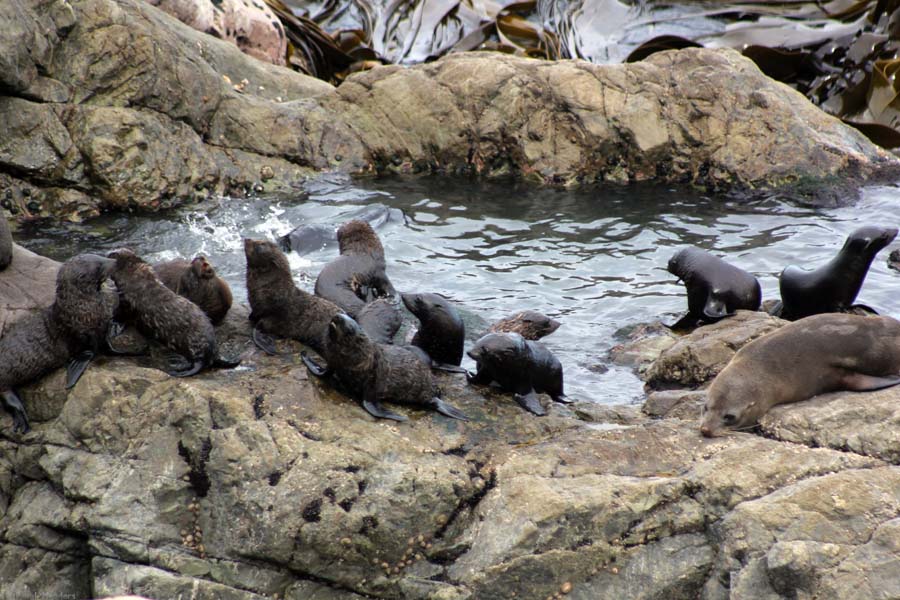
(595, 260)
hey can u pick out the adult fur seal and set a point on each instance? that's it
(519, 366)
(5, 242)
(197, 281)
(358, 275)
(376, 373)
(530, 324)
(715, 289)
(832, 287)
(441, 332)
(822, 353)
(74, 326)
(164, 315)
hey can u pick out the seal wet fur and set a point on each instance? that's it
(818, 354)
(197, 281)
(5, 242)
(376, 373)
(530, 324)
(715, 288)
(171, 319)
(442, 333)
(833, 287)
(519, 366)
(74, 325)
(358, 275)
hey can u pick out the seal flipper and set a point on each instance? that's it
(715, 308)
(374, 408)
(448, 410)
(226, 363)
(313, 367)
(858, 382)
(13, 405)
(264, 341)
(180, 366)
(685, 323)
(562, 399)
(77, 367)
(448, 368)
(530, 403)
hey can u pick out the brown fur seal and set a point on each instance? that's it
(376, 373)
(818, 354)
(834, 286)
(441, 332)
(519, 366)
(197, 281)
(715, 289)
(5, 242)
(74, 326)
(530, 324)
(164, 315)
(357, 276)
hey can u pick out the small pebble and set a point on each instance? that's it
(566, 587)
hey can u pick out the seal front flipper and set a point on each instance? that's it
(179, 366)
(77, 367)
(859, 382)
(562, 399)
(685, 323)
(448, 410)
(530, 403)
(13, 405)
(264, 341)
(313, 367)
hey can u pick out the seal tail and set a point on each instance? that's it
(448, 410)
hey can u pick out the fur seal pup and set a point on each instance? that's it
(197, 281)
(169, 318)
(519, 366)
(833, 286)
(715, 289)
(277, 306)
(5, 242)
(73, 326)
(312, 237)
(357, 276)
(376, 373)
(441, 332)
(530, 324)
(380, 320)
(818, 354)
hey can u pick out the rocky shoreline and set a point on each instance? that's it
(116, 105)
(260, 482)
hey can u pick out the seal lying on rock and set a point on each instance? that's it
(441, 332)
(832, 287)
(715, 289)
(5, 243)
(519, 366)
(197, 281)
(164, 315)
(74, 326)
(530, 324)
(376, 373)
(358, 275)
(818, 354)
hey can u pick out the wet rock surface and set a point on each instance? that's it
(115, 104)
(260, 481)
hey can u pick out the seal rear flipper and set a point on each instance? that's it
(376, 410)
(226, 363)
(264, 341)
(449, 368)
(530, 403)
(77, 367)
(715, 309)
(313, 367)
(448, 410)
(562, 399)
(858, 382)
(13, 405)
(180, 366)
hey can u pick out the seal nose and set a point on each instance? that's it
(706, 430)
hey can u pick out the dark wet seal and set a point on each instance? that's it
(167, 317)
(357, 276)
(442, 333)
(815, 355)
(530, 324)
(197, 281)
(375, 373)
(520, 366)
(71, 331)
(715, 289)
(312, 237)
(833, 287)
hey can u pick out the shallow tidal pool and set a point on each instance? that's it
(593, 259)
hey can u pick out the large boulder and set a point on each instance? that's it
(110, 103)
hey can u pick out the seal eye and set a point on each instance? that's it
(729, 419)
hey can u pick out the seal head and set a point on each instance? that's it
(441, 332)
